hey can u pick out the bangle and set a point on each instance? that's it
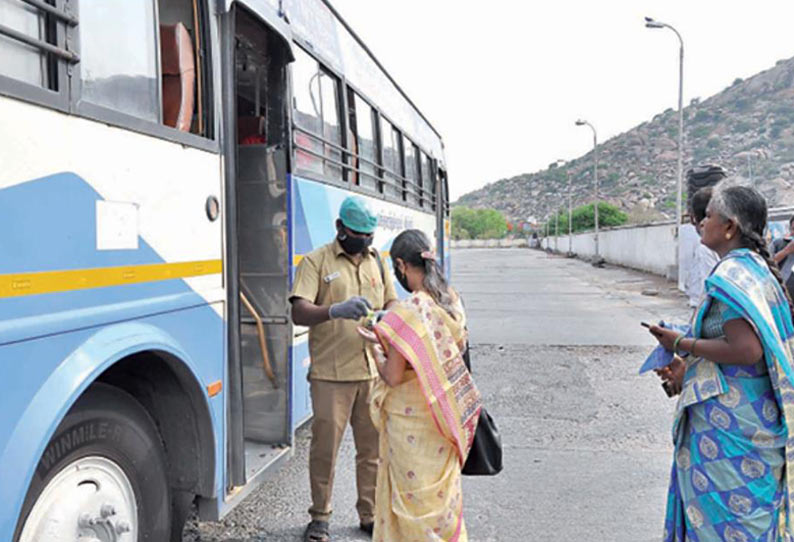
(675, 343)
(692, 350)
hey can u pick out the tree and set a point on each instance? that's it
(463, 222)
(478, 223)
(583, 218)
(492, 224)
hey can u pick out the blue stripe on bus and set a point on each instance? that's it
(54, 222)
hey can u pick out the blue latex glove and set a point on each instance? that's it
(354, 308)
(660, 357)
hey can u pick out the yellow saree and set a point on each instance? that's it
(426, 426)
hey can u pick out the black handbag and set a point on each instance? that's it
(485, 456)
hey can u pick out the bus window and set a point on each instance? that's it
(411, 172)
(445, 191)
(183, 71)
(428, 182)
(21, 61)
(118, 54)
(332, 133)
(390, 139)
(352, 158)
(365, 133)
(307, 112)
(399, 171)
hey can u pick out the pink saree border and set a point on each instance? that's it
(424, 369)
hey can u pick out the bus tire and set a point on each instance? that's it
(105, 460)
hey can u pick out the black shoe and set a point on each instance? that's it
(316, 531)
(367, 527)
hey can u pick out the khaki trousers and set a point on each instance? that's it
(335, 404)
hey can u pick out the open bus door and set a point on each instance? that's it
(256, 53)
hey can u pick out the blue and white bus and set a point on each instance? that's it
(164, 165)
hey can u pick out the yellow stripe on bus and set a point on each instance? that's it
(46, 282)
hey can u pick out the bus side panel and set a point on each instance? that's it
(314, 208)
(300, 399)
(44, 377)
(108, 226)
(88, 195)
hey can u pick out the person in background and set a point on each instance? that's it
(335, 287)
(426, 406)
(783, 250)
(702, 259)
(731, 477)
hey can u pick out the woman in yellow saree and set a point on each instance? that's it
(425, 406)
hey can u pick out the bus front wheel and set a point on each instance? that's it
(102, 476)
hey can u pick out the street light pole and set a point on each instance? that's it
(581, 122)
(651, 23)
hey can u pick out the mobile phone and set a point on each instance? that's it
(645, 324)
(668, 389)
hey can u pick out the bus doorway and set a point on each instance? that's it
(261, 239)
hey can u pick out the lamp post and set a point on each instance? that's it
(651, 23)
(581, 122)
(560, 163)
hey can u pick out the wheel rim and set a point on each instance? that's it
(89, 500)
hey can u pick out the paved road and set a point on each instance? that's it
(556, 347)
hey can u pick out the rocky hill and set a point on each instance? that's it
(748, 128)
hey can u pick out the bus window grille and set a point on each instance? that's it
(60, 52)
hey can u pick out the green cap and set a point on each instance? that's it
(356, 215)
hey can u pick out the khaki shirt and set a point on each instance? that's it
(326, 276)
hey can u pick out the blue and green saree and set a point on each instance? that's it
(730, 480)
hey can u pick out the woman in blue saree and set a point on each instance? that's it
(730, 479)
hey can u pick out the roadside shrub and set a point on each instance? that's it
(583, 218)
(478, 223)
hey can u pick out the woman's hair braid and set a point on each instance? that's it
(757, 244)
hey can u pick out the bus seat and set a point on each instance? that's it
(179, 76)
(250, 130)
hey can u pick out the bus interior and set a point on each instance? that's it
(260, 80)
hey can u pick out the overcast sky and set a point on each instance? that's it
(503, 81)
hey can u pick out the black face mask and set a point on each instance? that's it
(354, 245)
(402, 279)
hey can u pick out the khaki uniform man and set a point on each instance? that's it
(336, 286)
